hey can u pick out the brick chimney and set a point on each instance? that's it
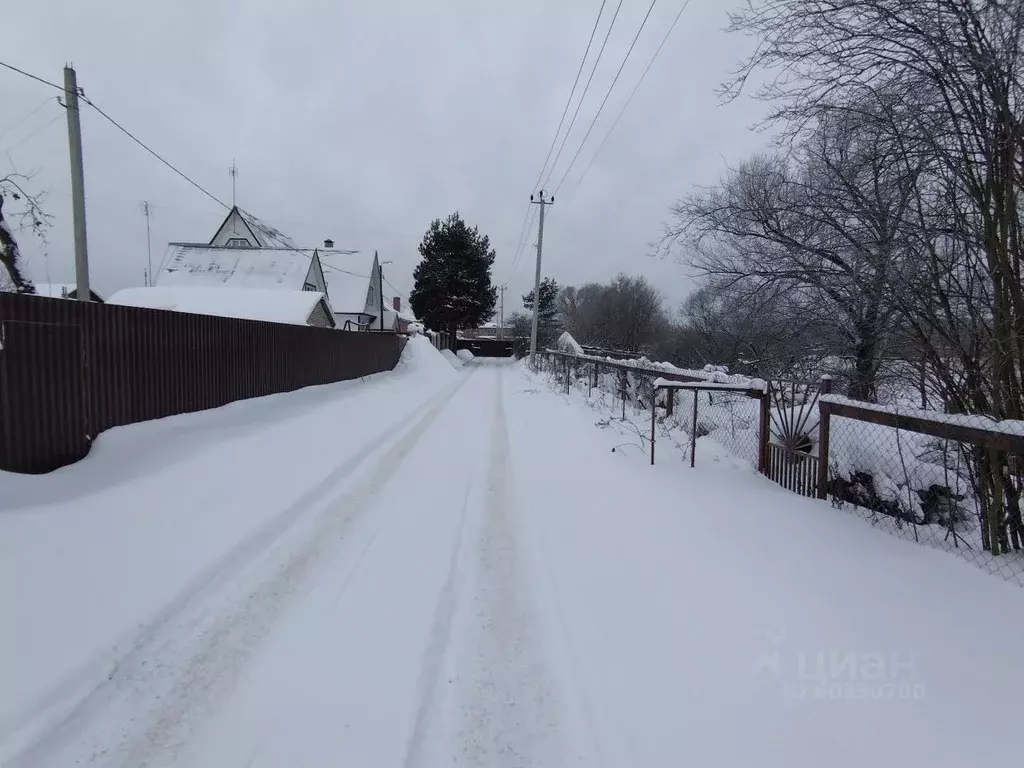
(397, 303)
(328, 243)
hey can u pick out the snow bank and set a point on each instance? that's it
(452, 359)
(566, 343)
(161, 508)
(420, 357)
(815, 631)
(464, 355)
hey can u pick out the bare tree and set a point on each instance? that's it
(625, 314)
(822, 224)
(943, 79)
(25, 211)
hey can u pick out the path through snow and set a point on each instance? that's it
(478, 580)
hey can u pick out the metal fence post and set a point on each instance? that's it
(765, 433)
(654, 396)
(823, 437)
(693, 432)
(624, 380)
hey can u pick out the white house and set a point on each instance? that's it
(291, 307)
(244, 253)
(356, 297)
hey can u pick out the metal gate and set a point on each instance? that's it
(42, 408)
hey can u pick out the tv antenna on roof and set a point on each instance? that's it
(233, 173)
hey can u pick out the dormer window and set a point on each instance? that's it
(238, 242)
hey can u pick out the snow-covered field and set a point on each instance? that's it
(453, 567)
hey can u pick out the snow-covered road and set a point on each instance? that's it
(453, 568)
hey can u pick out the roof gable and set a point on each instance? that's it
(236, 227)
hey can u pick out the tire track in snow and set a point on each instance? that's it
(501, 706)
(434, 656)
(94, 676)
(160, 690)
(512, 716)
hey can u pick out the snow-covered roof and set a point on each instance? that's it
(293, 307)
(54, 290)
(206, 266)
(347, 291)
(266, 234)
(58, 290)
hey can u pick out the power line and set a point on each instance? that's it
(180, 173)
(21, 120)
(636, 88)
(522, 234)
(30, 75)
(397, 292)
(568, 102)
(522, 249)
(586, 88)
(28, 136)
(554, 139)
(607, 94)
(155, 154)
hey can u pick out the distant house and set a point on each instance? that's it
(356, 298)
(488, 330)
(64, 291)
(395, 318)
(243, 253)
(275, 306)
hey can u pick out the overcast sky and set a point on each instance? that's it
(362, 121)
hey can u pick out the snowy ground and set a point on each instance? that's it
(452, 567)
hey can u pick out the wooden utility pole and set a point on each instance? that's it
(77, 183)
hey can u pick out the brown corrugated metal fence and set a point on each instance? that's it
(69, 369)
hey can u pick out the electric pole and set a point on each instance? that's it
(536, 280)
(380, 288)
(149, 243)
(501, 313)
(77, 183)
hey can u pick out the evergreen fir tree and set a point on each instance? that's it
(452, 287)
(547, 313)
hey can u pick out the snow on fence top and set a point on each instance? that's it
(710, 373)
(758, 385)
(984, 423)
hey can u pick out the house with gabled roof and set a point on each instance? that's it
(243, 253)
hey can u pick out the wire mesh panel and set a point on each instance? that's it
(625, 391)
(961, 496)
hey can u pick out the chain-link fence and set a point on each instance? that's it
(953, 483)
(624, 391)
